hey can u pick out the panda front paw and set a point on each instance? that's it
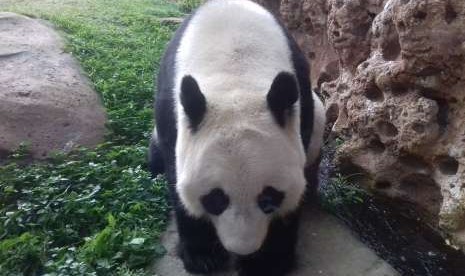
(201, 260)
(269, 265)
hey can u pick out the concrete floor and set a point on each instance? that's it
(326, 248)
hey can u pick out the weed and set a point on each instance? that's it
(189, 5)
(340, 192)
(21, 254)
(338, 142)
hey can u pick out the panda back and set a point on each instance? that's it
(231, 44)
(228, 45)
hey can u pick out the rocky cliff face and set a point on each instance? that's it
(392, 74)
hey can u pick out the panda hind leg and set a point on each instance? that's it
(277, 256)
(312, 176)
(155, 158)
(199, 247)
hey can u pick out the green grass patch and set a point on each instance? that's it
(93, 211)
(189, 5)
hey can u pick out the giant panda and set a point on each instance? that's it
(236, 126)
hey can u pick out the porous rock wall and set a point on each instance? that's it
(392, 75)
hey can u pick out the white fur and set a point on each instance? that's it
(319, 121)
(235, 49)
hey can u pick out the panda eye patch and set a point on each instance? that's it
(215, 202)
(270, 199)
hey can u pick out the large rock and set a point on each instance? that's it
(392, 73)
(44, 98)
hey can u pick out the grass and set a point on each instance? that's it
(338, 192)
(93, 211)
(341, 192)
(189, 5)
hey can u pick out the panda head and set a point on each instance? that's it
(240, 161)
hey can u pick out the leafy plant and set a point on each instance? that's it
(340, 192)
(79, 215)
(21, 254)
(189, 5)
(338, 142)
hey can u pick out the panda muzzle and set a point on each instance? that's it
(241, 235)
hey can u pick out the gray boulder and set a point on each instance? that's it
(45, 100)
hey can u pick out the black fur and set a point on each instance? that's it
(199, 246)
(270, 199)
(193, 101)
(156, 164)
(215, 202)
(302, 71)
(306, 96)
(277, 255)
(282, 96)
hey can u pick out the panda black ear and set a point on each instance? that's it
(282, 96)
(193, 101)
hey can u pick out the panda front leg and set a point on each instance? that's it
(199, 247)
(277, 255)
